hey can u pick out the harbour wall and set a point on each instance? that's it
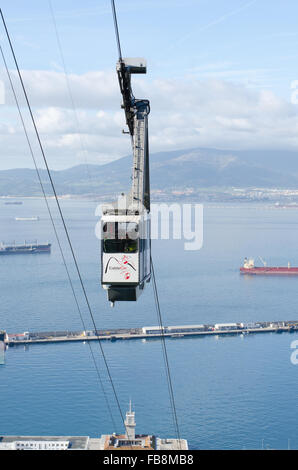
(154, 332)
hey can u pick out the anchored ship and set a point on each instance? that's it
(24, 248)
(26, 218)
(13, 203)
(250, 268)
(2, 347)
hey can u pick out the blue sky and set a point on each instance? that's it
(218, 70)
(177, 37)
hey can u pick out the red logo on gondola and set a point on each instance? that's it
(124, 265)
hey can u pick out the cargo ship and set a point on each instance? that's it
(25, 248)
(26, 218)
(13, 203)
(250, 268)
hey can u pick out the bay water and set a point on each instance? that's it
(231, 392)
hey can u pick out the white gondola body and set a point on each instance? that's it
(126, 251)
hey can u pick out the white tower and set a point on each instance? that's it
(130, 424)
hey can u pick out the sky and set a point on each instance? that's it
(221, 74)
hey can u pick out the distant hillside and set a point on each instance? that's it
(197, 168)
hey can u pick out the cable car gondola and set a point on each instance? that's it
(125, 224)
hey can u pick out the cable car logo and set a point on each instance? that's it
(123, 265)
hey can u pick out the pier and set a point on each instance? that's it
(153, 332)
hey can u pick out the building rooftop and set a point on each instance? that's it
(171, 444)
(121, 442)
(74, 442)
(127, 441)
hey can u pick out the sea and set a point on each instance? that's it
(230, 392)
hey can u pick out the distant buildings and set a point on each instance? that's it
(127, 441)
(18, 337)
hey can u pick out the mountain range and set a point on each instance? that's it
(176, 170)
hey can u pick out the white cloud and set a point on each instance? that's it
(49, 88)
(185, 113)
